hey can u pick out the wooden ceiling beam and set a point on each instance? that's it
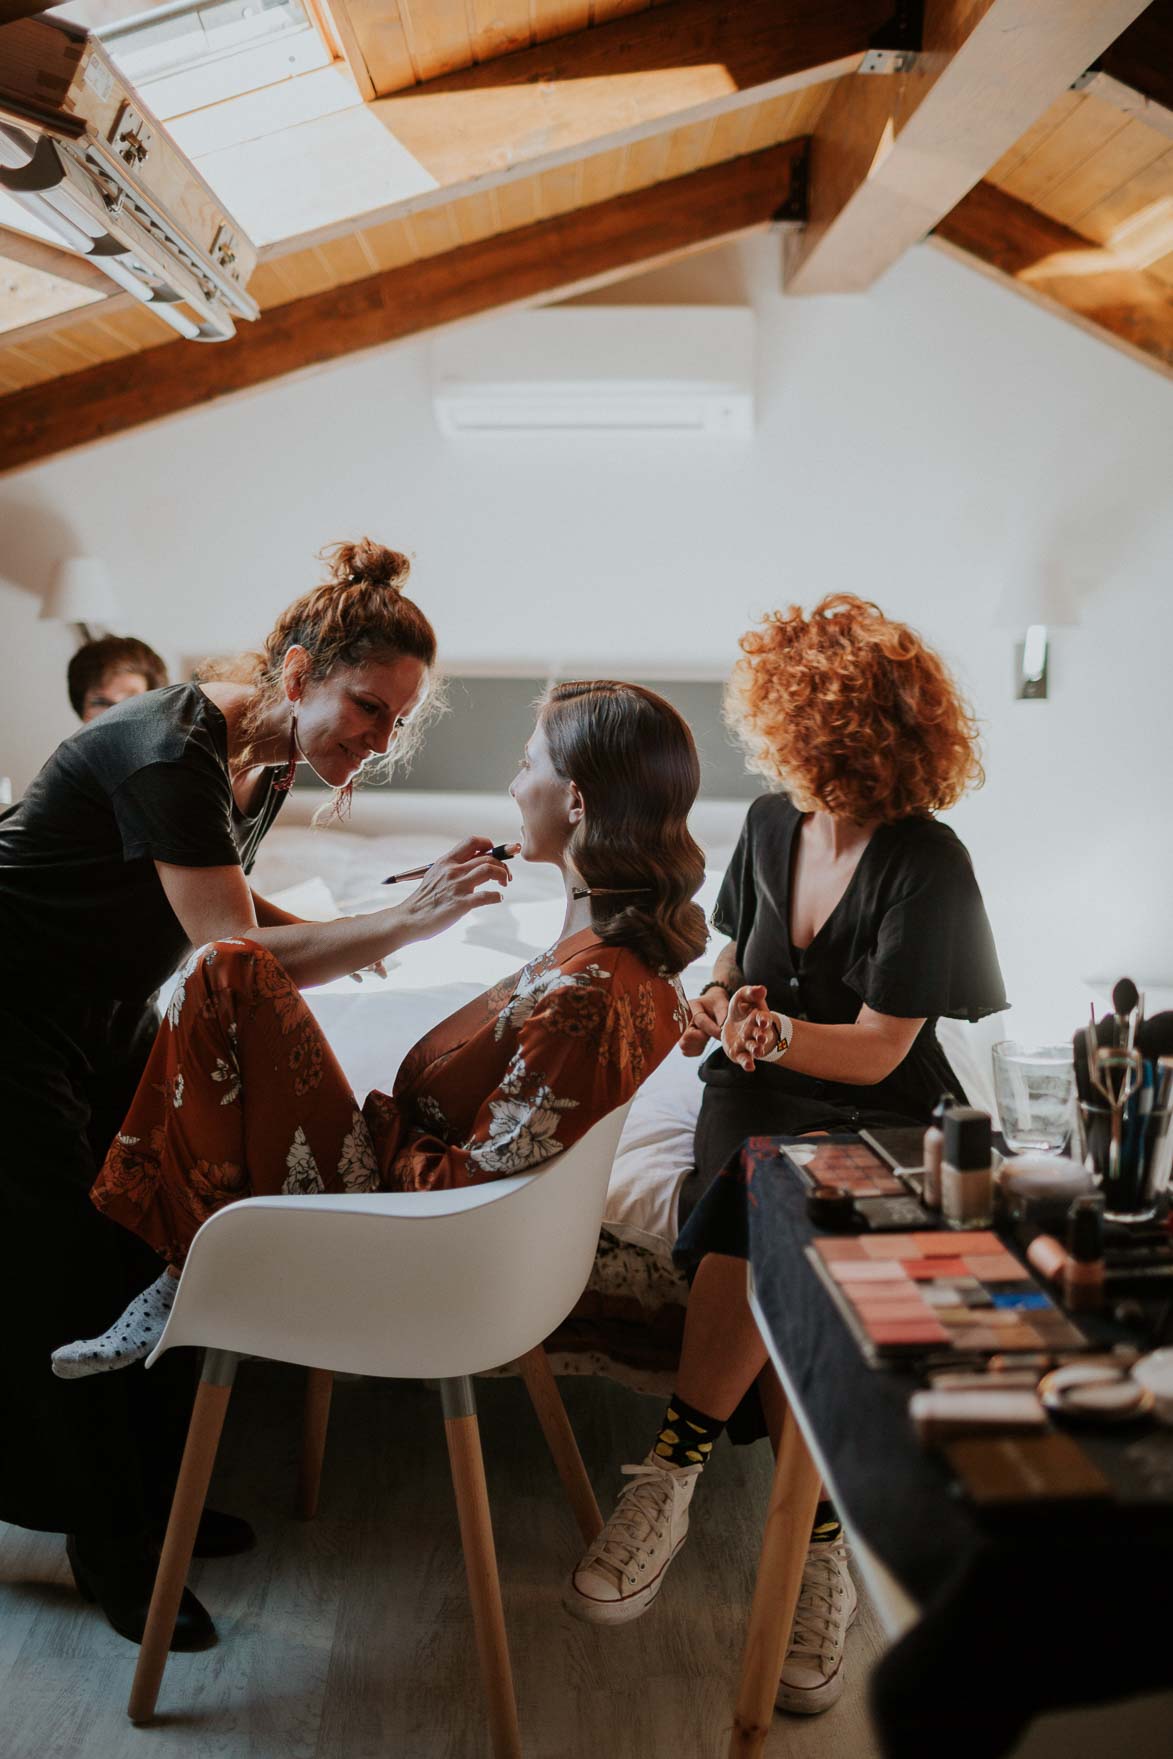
(552, 258)
(599, 89)
(64, 265)
(1068, 274)
(1141, 58)
(893, 153)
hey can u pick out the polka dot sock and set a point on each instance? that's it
(686, 1435)
(128, 1340)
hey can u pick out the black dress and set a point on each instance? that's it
(86, 938)
(909, 937)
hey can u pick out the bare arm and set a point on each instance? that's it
(859, 1053)
(270, 915)
(710, 1007)
(215, 903)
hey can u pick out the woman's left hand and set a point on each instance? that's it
(750, 1030)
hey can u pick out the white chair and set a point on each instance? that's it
(431, 1285)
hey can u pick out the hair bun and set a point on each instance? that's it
(367, 564)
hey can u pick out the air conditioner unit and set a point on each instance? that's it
(81, 152)
(599, 369)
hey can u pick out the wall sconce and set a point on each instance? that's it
(1034, 608)
(80, 592)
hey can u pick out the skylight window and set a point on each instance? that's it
(185, 54)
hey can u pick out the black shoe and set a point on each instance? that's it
(119, 1575)
(218, 1534)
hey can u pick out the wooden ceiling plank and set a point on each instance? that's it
(437, 35)
(559, 18)
(550, 259)
(1132, 151)
(894, 153)
(1029, 141)
(1090, 128)
(1064, 271)
(1152, 185)
(499, 27)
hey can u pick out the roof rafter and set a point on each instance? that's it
(551, 258)
(892, 154)
(1088, 284)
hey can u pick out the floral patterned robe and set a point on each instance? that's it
(243, 1096)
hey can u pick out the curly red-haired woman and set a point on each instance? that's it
(855, 922)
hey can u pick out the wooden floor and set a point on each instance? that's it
(350, 1637)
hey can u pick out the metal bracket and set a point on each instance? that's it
(794, 209)
(130, 136)
(888, 61)
(894, 48)
(224, 249)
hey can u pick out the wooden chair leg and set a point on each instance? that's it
(551, 1413)
(199, 1456)
(480, 1562)
(319, 1386)
(793, 1500)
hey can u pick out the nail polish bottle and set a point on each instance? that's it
(934, 1145)
(967, 1178)
(1083, 1274)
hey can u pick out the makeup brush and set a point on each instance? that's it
(499, 852)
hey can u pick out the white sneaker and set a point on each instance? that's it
(812, 1674)
(624, 1569)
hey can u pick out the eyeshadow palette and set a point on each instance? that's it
(939, 1293)
(851, 1165)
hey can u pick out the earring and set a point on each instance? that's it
(284, 781)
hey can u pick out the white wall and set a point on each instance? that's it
(926, 445)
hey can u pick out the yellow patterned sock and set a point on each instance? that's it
(686, 1435)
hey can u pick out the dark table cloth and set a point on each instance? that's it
(1042, 1608)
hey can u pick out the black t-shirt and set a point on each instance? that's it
(82, 909)
(908, 937)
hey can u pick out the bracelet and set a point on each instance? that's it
(784, 1027)
(715, 983)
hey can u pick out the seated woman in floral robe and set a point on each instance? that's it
(243, 1096)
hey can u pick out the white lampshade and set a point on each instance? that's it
(80, 591)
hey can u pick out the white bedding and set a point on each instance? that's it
(316, 871)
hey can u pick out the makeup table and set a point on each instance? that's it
(994, 1620)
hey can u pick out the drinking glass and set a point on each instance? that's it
(1035, 1090)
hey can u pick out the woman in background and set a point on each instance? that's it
(133, 844)
(855, 922)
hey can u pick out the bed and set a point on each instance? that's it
(629, 1322)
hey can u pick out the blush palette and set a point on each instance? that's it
(913, 1294)
(851, 1165)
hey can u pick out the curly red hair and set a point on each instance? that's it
(852, 713)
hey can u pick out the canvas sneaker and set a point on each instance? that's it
(624, 1569)
(812, 1674)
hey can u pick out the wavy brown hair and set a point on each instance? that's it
(634, 762)
(360, 613)
(852, 713)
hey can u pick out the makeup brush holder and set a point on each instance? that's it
(1132, 1171)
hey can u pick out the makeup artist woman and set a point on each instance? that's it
(132, 845)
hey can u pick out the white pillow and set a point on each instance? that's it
(654, 1156)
